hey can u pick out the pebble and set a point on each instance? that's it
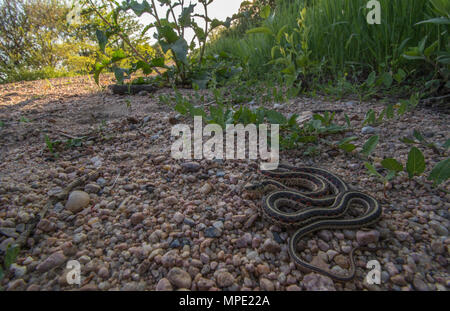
(440, 229)
(78, 200)
(191, 167)
(92, 188)
(179, 278)
(342, 261)
(399, 280)
(18, 271)
(224, 279)
(103, 273)
(164, 285)
(212, 232)
(178, 217)
(318, 282)
(266, 284)
(419, 284)
(271, 246)
(137, 218)
(293, 288)
(367, 237)
(205, 284)
(367, 130)
(53, 261)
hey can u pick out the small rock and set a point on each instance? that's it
(178, 217)
(342, 261)
(212, 232)
(89, 288)
(367, 237)
(293, 288)
(53, 261)
(419, 284)
(399, 280)
(18, 271)
(266, 284)
(9, 232)
(179, 278)
(224, 279)
(46, 226)
(77, 201)
(318, 282)
(164, 285)
(205, 284)
(172, 200)
(369, 130)
(92, 188)
(103, 273)
(137, 218)
(207, 188)
(401, 235)
(271, 246)
(16, 285)
(440, 229)
(191, 167)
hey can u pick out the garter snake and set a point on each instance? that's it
(327, 199)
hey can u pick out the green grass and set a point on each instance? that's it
(21, 74)
(342, 40)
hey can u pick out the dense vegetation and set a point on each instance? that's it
(41, 39)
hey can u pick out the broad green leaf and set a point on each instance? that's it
(400, 75)
(265, 12)
(416, 162)
(390, 111)
(370, 145)
(118, 55)
(307, 139)
(347, 140)
(158, 62)
(387, 79)
(407, 140)
(97, 71)
(260, 30)
(390, 175)
(11, 255)
(347, 147)
(372, 169)
(441, 172)
(102, 39)
(180, 108)
(119, 74)
(185, 18)
(168, 34)
(371, 79)
(180, 49)
(275, 117)
(392, 165)
(437, 20)
(140, 8)
(347, 120)
(403, 106)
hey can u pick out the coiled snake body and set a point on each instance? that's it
(327, 199)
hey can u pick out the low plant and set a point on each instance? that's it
(11, 254)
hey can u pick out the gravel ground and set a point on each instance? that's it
(145, 221)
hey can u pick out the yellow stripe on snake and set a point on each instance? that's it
(327, 199)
